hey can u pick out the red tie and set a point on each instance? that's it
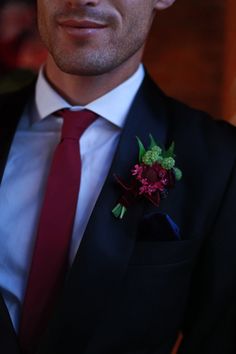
(50, 258)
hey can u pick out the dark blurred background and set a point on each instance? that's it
(191, 52)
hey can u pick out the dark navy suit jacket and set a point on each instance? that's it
(127, 293)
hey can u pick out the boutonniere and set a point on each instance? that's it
(151, 178)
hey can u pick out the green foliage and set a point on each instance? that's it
(178, 173)
(155, 154)
(170, 151)
(142, 150)
(168, 163)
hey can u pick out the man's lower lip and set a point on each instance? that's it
(81, 32)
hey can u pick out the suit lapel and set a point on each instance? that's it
(107, 244)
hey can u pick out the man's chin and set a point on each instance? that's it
(81, 72)
(83, 69)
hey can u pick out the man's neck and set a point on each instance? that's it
(81, 90)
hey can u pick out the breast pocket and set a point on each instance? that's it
(161, 253)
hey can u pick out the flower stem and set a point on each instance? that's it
(119, 211)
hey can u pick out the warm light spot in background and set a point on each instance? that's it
(192, 54)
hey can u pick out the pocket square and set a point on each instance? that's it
(158, 227)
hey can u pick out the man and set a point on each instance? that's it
(133, 284)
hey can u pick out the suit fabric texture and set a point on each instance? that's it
(130, 291)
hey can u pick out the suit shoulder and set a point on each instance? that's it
(201, 125)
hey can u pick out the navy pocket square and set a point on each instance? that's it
(158, 227)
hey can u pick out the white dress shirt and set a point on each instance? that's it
(25, 175)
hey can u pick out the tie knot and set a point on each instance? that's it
(76, 122)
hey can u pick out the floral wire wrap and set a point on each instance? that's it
(151, 178)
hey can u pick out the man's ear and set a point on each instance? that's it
(163, 4)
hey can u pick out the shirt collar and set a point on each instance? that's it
(48, 101)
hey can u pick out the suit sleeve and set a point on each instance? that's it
(210, 321)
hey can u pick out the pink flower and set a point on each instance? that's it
(137, 171)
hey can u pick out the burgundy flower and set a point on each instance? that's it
(151, 178)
